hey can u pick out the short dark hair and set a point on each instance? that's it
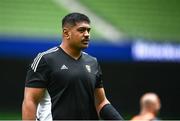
(74, 18)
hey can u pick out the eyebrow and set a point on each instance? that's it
(84, 28)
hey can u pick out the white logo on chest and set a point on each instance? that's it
(64, 67)
(88, 67)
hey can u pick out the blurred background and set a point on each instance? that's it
(137, 43)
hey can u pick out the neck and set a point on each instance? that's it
(149, 113)
(73, 52)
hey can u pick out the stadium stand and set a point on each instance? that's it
(27, 17)
(156, 20)
(32, 18)
(147, 19)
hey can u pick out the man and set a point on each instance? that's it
(66, 83)
(150, 106)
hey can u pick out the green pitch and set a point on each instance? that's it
(17, 116)
(10, 115)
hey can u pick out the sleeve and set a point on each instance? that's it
(37, 74)
(99, 82)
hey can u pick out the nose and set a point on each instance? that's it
(86, 34)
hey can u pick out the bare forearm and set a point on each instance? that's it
(100, 105)
(29, 110)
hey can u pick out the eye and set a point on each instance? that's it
(89, 29)
(81, 30)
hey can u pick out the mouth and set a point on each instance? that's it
(85, 41)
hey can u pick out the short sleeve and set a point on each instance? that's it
(37, 74)
(99, 82)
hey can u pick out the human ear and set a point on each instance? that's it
(66, 33)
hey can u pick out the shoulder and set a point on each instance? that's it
(135, 118)
(42, 56)
(88, 57)
(144, 117)
(138, 118)
(156, 119)
(47, 53)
